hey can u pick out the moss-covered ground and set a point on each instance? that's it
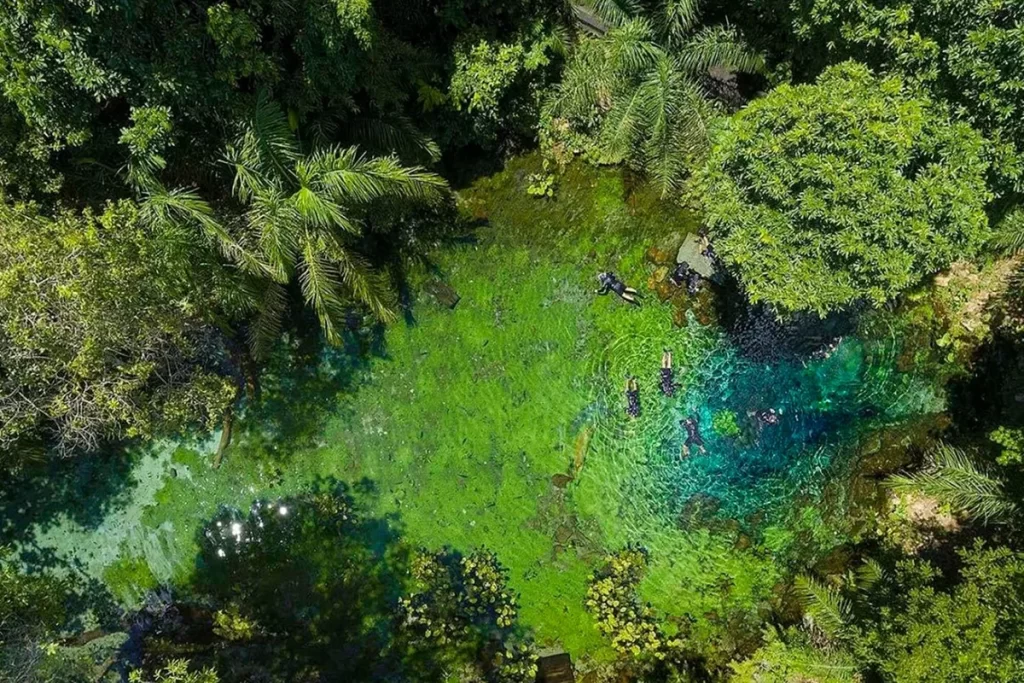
(497, 423)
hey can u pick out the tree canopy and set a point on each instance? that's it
(850, 189)
(103, 334)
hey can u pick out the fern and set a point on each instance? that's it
(824, 606)
(954, 479)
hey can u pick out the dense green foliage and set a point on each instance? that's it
(102, 331)
(635, 95)
(967, 52)
(914, 632)
(852, 188)
(84, 83)
(240, 214)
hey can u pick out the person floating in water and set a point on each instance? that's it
(767, 417)
(632, 397)
(683, 274)
(610, 283)
(668, 383)
(693, 437)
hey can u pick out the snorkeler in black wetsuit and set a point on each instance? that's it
(610, 283)
(683, 274)
(668, 383)
(632, 397)
(692, 436)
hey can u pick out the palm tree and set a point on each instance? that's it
(299, 218)
(955, 480)
(828, 607)
(636, 93)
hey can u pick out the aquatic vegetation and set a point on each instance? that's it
(499, 424)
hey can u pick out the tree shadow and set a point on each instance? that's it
(82, 490)
(301, 387)
(307, 587)
(762, 334)
(992, 394)
(317, 581)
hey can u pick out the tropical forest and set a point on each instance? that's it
(511, 341)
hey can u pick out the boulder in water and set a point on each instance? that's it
(443, 293)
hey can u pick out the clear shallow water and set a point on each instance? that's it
(824, 402)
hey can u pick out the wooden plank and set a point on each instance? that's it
(588, 21)
(555, 669)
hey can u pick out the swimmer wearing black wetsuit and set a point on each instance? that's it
(610, 283)
(632, 397)
(684, 275)
(678, 276)
(692, 436)
(668, 383)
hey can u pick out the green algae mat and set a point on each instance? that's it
(499, 423)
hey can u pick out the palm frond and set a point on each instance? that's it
(954, 479)
(868, 575)
(586, 84)
(631, 49)
(1009, 234)
(614, 12)
(265, 152)
(394, 135)
(349, 176)
(266, 327)
(622, 126)
(320, 284)
(183, 206)
(824, 606)
(719, 46)
(366, 286)
(677, 116)
(677, 18)
(276, 222)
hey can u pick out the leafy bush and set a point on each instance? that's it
(916, 633)
(630, 625)
(852, 188)
(1012, 442)
(966, 52)
(724, 423)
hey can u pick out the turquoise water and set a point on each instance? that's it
(824, 402)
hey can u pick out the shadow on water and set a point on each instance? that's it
(993, 394)
(81, 489)
(302, 383)
(760, 334)
(313, 586)
(317, 580)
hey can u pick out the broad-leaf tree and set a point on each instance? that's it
(854, 188)
(104, 333)
(968, 53)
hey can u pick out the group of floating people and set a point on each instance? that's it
(667, 385)
(682, 275)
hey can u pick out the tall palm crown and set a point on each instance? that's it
(299, 218)
(302, 215)
(635, 92)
